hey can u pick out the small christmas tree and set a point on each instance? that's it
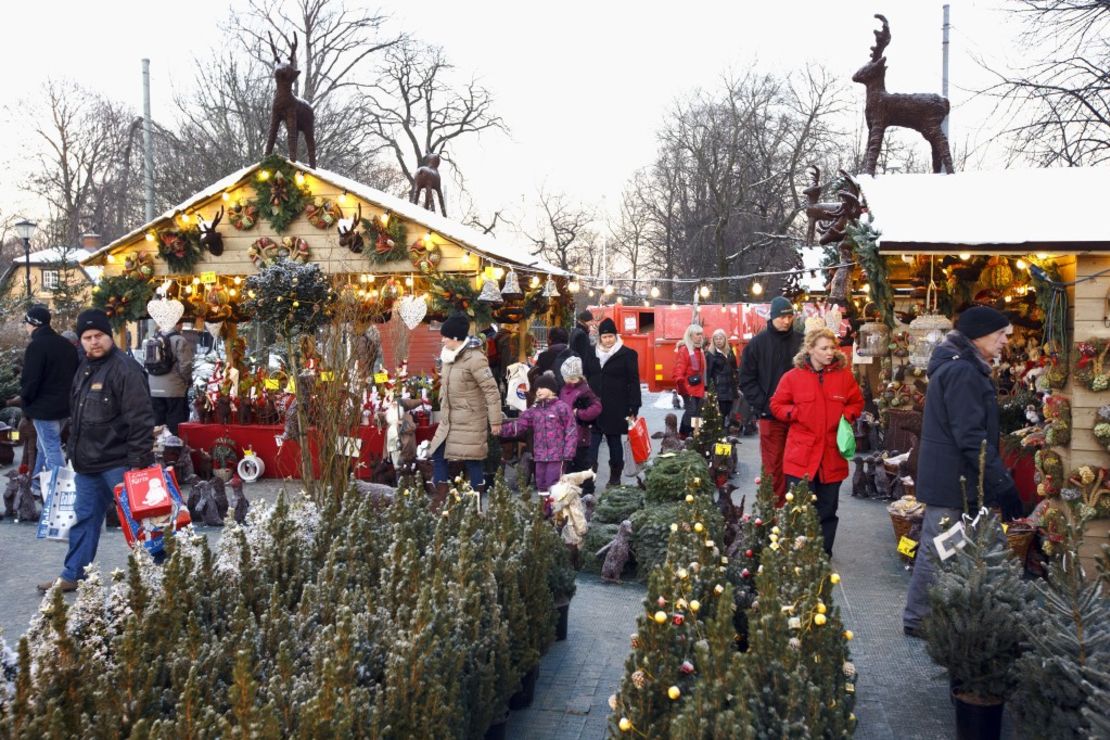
(712, 429)
(744, 553)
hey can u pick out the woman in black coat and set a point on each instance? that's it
(722, 372)
(616, 381)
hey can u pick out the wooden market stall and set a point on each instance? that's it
(1035, 245)
(408, 265)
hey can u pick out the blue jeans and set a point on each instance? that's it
(48, 434)
(94, 497)
(475, 469)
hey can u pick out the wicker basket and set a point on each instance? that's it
(902, 526)
(1020, 538)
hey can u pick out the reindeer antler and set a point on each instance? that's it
(293, 49)
(882, 38)
(273, 49)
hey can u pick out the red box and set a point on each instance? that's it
(148, 493)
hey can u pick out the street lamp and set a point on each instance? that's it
(24, 229)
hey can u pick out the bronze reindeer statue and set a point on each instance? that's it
(295, 112)
(427, 180)
(922, 112)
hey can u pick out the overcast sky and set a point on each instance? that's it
(583, 85)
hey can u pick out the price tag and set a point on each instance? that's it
(279, 440)
(271, 384)
(381, 377)
(208, 277)
(15, 435)
(907, 547)
(290, 388)
(1005, 527)
(327, 375)
(722, 449)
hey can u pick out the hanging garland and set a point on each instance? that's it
(265, 252)
(457, 293)
(388, 241)
(139, 266)
(1091, 368)
(278, 196)
(180, 247)
(865, 242)
(535, 302)
(243, 216)
(322, 213)
(123, 298)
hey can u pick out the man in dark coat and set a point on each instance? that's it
(961, 413)
(580, 343)
(48, 367)
(111, 432)
(551, 359)
(617, 383)
(768, 357)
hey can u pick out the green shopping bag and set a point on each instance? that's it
(846, 439)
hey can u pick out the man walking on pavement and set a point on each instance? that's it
(170, 371)
(581, 345)
(111, 431)
(768, 357)
(48, 368)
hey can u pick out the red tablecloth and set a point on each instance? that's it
(284, 460)
(1023, 468)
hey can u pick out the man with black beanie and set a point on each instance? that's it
(579, 343)
(48, 367)
(961, 413)
(766, 359)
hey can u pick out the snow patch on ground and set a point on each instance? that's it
(662, 400)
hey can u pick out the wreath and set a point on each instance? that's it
(322, 213)
(456, 293)
(1057, 412)
(1088, 491)
(243, 216)
(276, 193)
(1102, 426)
(180, 248)
(388, 240)
(138, 266)
(265, 252)
(425, 258)
(123, 298)
(223, 453)
(1090, 364)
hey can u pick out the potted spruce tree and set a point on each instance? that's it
(975, 627)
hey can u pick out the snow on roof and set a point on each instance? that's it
(493, 247)
(54, 255)
(1034, 207)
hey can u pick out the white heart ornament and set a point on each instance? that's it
(165, 312)
(412, 310)
(214, 328)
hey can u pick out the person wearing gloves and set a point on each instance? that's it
(469, 403)
(961, 413)
(617, 384)
(768, 357)
(689, 375)
(577, 394)
(554, 432)
(111, 431)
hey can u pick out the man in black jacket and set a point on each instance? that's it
(111, 431)
(580, 344)
(961, 413)
(48, 367)
(766, 359)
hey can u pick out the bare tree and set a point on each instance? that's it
(631, 237)
(564, 234)
(417, 108)
(1059, 104)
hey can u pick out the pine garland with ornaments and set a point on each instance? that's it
(123, 298)
(278, 195)
(386, 236)
(289, 297)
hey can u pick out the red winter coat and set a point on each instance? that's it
(686, 367)
(812, 404)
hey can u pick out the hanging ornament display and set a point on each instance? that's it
(180, 247)
(139, 266)
(243, 216)
(512, 286)
(291, 298)
(322, 213)
(1090, 364)
(217, 300)
(997, 274)
(412, 310)
(265, 251)
(166, 312)
(386, 236)
(549, 289)
(928, 330)
(874, 339)
(490, 293)
(122, 298)
(277, 195)
(392, 290)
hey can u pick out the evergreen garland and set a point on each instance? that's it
(123, 298)
(453, 292)
(865, 243)
(180, 248)
(278, 197)
(387, 243)
(290, 298)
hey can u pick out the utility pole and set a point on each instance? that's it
(148, 147)
(944, 69)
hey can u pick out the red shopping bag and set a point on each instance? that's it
(639, 440)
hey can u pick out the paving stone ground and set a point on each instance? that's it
(900, 693)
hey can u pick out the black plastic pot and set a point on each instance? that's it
(977, 721)
(564, 621)
(523, 698)
(496, 731)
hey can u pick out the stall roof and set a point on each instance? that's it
(1027, 210)
(496, 249)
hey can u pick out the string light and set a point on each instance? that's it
(342, 199)
(646, 304)
(238, 280)
(1042, 256)
(299, 178)
(535, 282)
(428, 237)
(263, 175)
(620, 299)
(757, 288)
(184, 218)
(111, 258)
(654, 292)
(1022, 264)
(196, 281)
(408, 281)
(150, 236)
(591, 294)
(573, 286)
(385, 219)
(226, 196)
(703, 291)
(965, 256)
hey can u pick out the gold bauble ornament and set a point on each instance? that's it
(689, 498)
(789, 496)
(820, 619)
(674, 693)
(625, 724)
(698, 527)
(695, 605)
(848, 635)
(834, 578)
(660, 617)
(821, 608)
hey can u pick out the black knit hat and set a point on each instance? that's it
(93, 319)
(607, 326)
(547, 380)
(38, 315)
(781, 306)
(979, 321)
(457, 326)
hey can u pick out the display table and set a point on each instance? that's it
(284, 460)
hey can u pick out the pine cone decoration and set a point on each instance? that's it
(639, 679)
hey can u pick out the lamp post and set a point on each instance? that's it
(25, 229)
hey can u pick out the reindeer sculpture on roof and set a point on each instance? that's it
(922, 112)
(295, 112)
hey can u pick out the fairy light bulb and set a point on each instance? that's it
(498, 273)
(428, 238)
(1022, 264)
(150, 236)
(609, 290)
(965, 256)
(757, 288)
(646, 303)
(263, 175)
(408, 281)
(535, 281)
(226, 196)
(866, 288)
(238, 280)
(466, 258)
(654, 292)
(385, 219)
(703, 291)
(573, 286)
(299, 178)
(342, 199)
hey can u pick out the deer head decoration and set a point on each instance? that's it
(287, 108)
(349, 235)
(209, 237)
(427, 180)
(922, 112)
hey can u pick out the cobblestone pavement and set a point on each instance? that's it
(900, 693)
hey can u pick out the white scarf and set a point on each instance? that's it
(603, 355)
(447, 356)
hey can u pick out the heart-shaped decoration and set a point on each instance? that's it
(165, 312)
(214, 328)
(412, 309)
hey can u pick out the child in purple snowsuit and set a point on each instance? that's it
(577, 394)
(554, 432)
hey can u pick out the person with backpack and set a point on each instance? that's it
(168, 359)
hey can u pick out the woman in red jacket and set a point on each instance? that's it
(811, 398)
(689, 375)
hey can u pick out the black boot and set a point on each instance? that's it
(615, 475)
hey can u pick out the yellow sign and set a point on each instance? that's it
(907, 547)
(381, 377)
(208, 278)
(327, 375)
(14, 437)
(290, 388)
(271, 384)
(722, 449)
